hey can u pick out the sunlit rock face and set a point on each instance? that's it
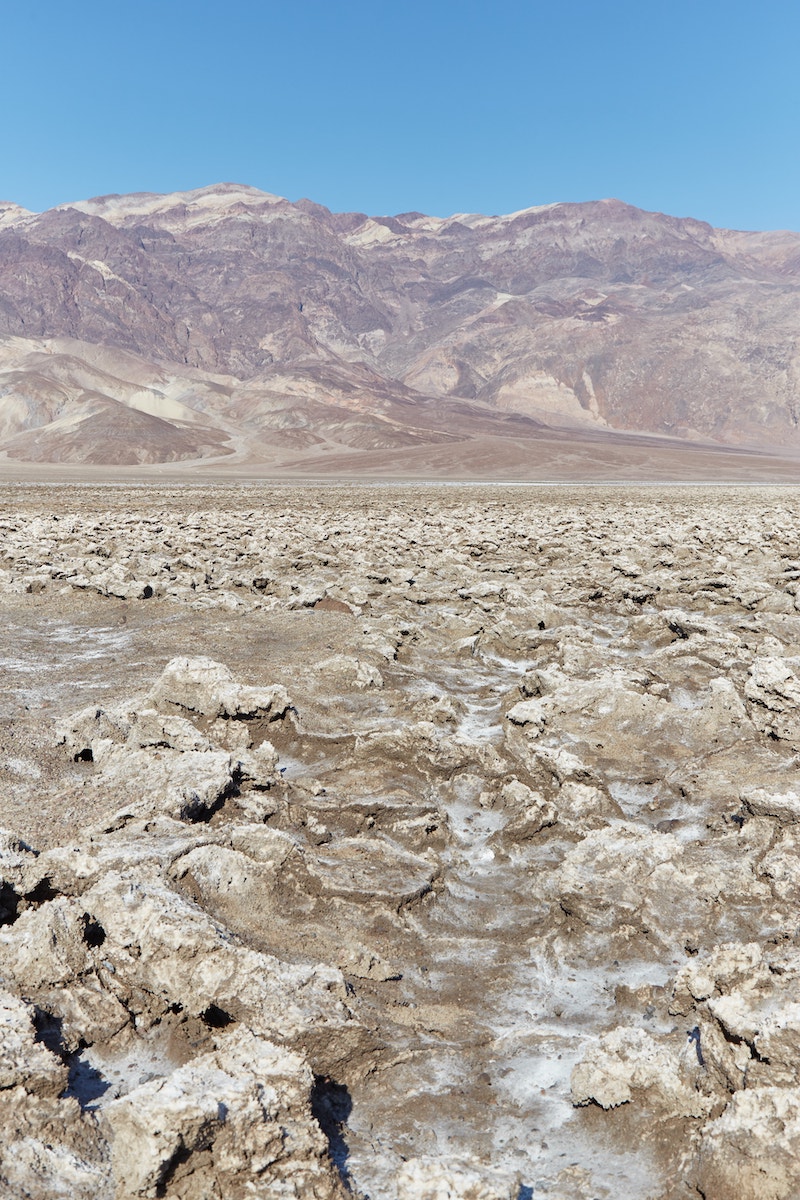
(139, 329)
(405, 842)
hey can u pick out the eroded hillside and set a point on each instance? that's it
(250, 320)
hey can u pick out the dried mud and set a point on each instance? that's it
(400, 842)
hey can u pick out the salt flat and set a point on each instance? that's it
(421, 841)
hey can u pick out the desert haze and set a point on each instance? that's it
(230, 331)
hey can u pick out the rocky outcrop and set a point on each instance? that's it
(234, 1121)
(115, 963)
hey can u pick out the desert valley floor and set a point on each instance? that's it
(404, 842)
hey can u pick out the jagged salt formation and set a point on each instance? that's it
(489, 889)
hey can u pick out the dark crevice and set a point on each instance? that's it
(331, 1106)
(216, 1018)
(181, 1155)
(86, 1084)
(9, 904)
(197, 812)
(93, 933)
(49, 1032)
(734, 1040)
(43, 892)
(694, 1036)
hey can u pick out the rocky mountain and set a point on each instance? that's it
(229, 325)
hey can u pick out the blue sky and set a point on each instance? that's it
(688, 108)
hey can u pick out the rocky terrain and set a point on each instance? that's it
(232, 328)
(403, 843)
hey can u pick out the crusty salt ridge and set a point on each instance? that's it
(426, 842)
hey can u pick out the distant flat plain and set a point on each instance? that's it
(555, 456)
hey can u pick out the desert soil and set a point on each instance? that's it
(413, 843)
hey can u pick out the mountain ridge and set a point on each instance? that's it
(270, 326)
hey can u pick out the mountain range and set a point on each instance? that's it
(230, 330)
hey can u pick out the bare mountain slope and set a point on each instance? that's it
(230, 323)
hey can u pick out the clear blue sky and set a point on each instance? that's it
(692, 108)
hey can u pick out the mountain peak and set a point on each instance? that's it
(217, 197)
(11, 214)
